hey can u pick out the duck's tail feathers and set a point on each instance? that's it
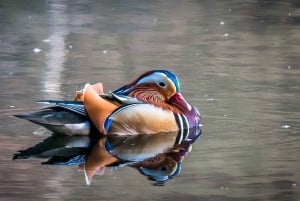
(60, 120)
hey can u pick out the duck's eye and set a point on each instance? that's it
(162, 84)
(164, 168)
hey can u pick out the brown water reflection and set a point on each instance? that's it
(243, 74)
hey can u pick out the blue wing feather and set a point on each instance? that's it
(75, 106)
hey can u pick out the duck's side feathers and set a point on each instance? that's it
(140, 119)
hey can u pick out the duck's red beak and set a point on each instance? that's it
(178, 100)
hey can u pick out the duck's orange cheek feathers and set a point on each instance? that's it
(149, 93)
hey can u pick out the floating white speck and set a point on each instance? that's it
(37, 50)
(285, 126)
(70, 46)
(222, 23)
(46, 40)
(289, 14)
(210, 99)
(289, 67)
(294, 184)
(42, 132)
(224, 188)
(12, 106)
(226, 34)
(29, 17)
(229, 10)
(104, 51)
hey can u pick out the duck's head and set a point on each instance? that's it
(156, 87)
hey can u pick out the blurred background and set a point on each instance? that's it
(238, 62)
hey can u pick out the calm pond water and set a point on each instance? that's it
(238, 62)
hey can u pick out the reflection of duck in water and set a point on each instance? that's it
(150, 104)
(157, 156)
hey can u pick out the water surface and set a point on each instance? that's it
(238, 62)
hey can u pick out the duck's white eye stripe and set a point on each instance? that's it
(153, 78)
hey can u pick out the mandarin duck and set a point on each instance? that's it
(152, 103)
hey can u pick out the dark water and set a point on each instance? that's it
(238, 62)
